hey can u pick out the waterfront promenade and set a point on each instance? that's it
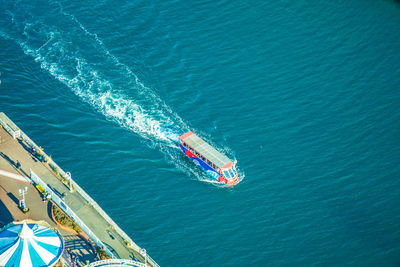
(39, 211)
(17, 149)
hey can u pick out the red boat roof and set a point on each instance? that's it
(228, 165)
(184, 136)
(206, 150)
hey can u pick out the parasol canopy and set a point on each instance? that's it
(27, 245)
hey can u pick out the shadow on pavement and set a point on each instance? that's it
(49, 209)
(5, 215)
(13, 198)
(78, 248)
(28, 149)
(7, 158)
(13, 163)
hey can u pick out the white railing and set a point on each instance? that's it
(14, 131)
(116, 262)
(7, 128)
(96, 206)
(60, 203)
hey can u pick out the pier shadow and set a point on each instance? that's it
(110, 234)
(60, 195)
(77, 247)
(49, 213)
(13, 198)
(4, 156)
(13, 163)
(28, 148)
(111, 249)
(21, 170)
(6, 216)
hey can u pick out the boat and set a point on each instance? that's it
(214, 163)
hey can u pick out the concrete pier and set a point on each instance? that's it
(15, 146)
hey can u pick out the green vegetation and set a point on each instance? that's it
(64, 220)
(102, 254)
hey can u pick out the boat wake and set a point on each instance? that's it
(75, 56)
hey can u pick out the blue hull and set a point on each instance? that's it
(199, 162)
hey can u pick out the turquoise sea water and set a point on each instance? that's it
(303, 94)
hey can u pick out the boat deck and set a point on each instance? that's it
(205, 149)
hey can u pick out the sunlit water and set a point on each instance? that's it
(303, 95)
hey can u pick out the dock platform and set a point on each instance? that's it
(15, 146)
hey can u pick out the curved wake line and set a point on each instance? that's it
(89, 84)
(59, 52)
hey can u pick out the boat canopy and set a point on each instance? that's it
(205, 149)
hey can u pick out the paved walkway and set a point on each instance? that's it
(15, 176)
(9, 198)
(13, 149)
(76, 247)
(11, 180)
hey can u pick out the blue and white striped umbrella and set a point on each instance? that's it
(29, 245)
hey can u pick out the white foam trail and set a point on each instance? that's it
(90, 86)
(141, 111)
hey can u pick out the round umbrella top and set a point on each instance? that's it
(29, 245)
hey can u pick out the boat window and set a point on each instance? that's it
(226, 174)
(232, 173)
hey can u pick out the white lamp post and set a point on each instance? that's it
(70, 181)
(144, 254)
(23, 192)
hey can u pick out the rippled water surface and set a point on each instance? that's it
(303, 95)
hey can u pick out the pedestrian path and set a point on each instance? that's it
(16, 149)
(11, 175)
